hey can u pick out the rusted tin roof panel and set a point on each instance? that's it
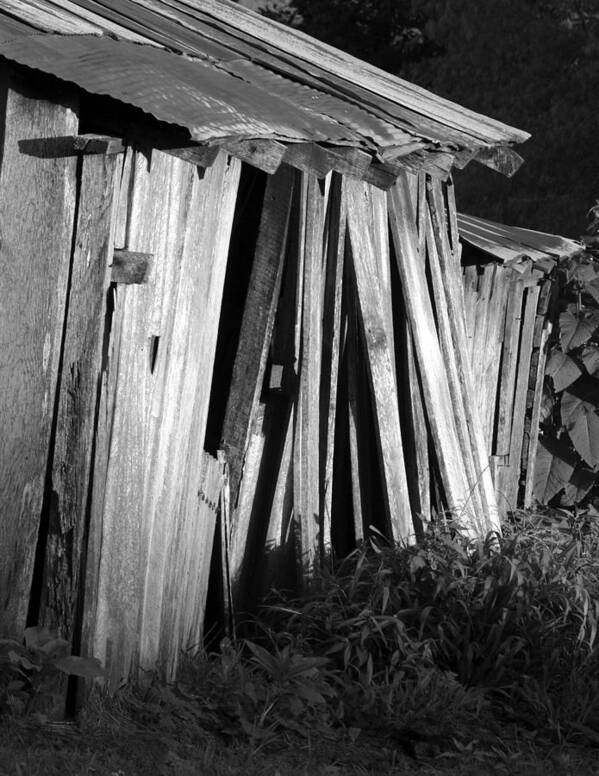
(512, 243)
(250, 77)
(173, 88)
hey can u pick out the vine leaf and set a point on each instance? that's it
(575, 330)
(553, 469)
(580, 418)
(563, 370)
(581, 481)
(590, 359)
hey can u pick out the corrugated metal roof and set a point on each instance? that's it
(221, 70)
(512, 243)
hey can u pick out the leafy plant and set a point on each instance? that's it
(30, 672)
(567, 465)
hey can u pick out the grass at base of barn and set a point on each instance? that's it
(451, 657)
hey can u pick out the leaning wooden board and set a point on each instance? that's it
(37, 208)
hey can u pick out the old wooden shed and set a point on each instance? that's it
(232, 330)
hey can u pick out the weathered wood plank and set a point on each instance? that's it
(307, 485)
(454, 292)
(509, 361)
(258, 320)
(509, 476)
(331, 335)
(78, 392)
(266, 155)
(153, 412)
(37, 206)
(430, 361)
(373, 299)
(536, 412)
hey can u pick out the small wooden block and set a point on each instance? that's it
(310, 158)
(350, 161)
(383, 176)
(276, 377)
(71, 145)
(130, 267)
(266, 155)
(201, 156)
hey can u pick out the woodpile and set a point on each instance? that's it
(510, 296)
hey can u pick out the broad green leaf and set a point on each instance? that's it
(583, 427)
(36, 637)
(581, 482)
(575, 330)
(553, 469)
(563, 370)
(590, 359)
(584, 390)
(88, 667)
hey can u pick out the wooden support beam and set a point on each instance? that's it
(37, 202)
(130, 267)
(509, 367)
(378, 334)
(383, 176)
(350, 161)
(71, 145)
(257, 323)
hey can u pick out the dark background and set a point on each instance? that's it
(528, 63)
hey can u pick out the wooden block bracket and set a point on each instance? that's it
(71, 145)
(130, 267)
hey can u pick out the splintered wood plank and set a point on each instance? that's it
(307, 497)
(78, 393)
(483, 487)
(155, 404)
(455, 380)
(433, 373)
(373, 290)
(335, 252)
(258, 321)
(37, 207)
(509, 479)
(190, 555)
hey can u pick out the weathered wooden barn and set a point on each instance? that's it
(232, 329)
(510, 308)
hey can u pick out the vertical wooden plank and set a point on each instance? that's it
(536, 414)
(509, 361)
(509, 479)
(258, 320)
(375, 321)
(455, 301)
(331, 334)
(37, 206)
(151, 433)
(307, 498)
(78, 392)
(455, 376)
(415, 433)
(430, 361)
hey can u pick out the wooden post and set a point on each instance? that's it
(37, 207)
